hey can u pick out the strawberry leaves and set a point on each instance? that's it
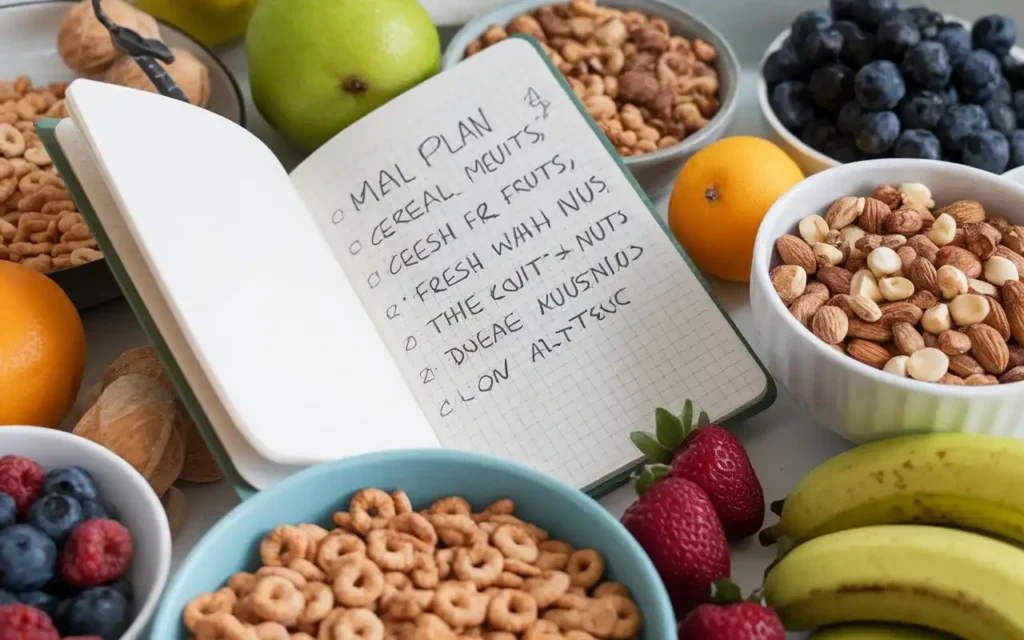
(651, 474)
(670, 431)
(653, 450)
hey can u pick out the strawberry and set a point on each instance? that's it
(730, 620)
(711, 457)
(675, 523)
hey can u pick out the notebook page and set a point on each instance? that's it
(248, 278)
(534, 304)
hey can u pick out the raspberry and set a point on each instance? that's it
(97, 552)
(22, 479)
(22, 622)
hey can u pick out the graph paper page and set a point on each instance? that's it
(535, 306)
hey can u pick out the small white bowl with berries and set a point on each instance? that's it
(85, 547)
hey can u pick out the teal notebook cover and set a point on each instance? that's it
(46, 129)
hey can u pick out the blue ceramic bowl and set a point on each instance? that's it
(426, 475)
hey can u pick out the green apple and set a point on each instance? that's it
(317, 66)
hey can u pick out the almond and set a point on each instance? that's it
(805, 307)
(997, 319)
(870, 353)
(949, 378)
(856, 260)
(964, 211)
(1016, 356)
(789, 281)
(872, 218)
(1012, 292)
(981, 239)
(980, 380)
(907, 256)
(842, 301)
(900, 312)
(988, 348)
(923, 300)
(865, 308)
(1012, 256)
(893, 241)
(891, 196)
(1015, 374)
(964, 366)
(924, 247)
(958, 239)
(818, 290)
(907, 338)
(924, 276)
(1015, 319)
(794, 251)
(960, 258)
(953, 343)
(844, 211)
(930, 340)
(830, 324)
(868, 243)
(905, 222)
(873, 331)
(1014, 241)
(836, 279)
(1001, 224)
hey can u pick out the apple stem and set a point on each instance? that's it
(355, 84)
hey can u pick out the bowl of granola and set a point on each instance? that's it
(660, 82)
(420, 543)
(887, 297)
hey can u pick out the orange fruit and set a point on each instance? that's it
(720, 198)
(42, 349)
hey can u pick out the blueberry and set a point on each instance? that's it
(1018, 104)
(99, 509)
(928, 64)
(125, 588)
(926, 21)
(782, 65)
(27, 558)
(871, 13)
(817, 132)
(994, 33)
(951, 95)
(1003, 92)
(1001, 117)
(878, 132)
(858, 47)
(980, 95)
(841, 9)
(55, 515)
(40, 600)
(6, 597)
(848, 120)
(894, 37)
(958, 122)
(988, 150)
(879, 85)
(821, 47)
(842, 148)
(100, 611)
(808, 22)
(1016, 149)
(922, 109)
(1013, 71)
(831, 86)
(917, 143)
(791, 102)
(71, 481)
(8, 511)
(979, 69)
(955, 37)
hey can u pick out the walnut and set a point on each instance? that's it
(191, 76)
(84, 44)
(638, 87)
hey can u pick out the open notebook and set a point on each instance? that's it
(470, 266)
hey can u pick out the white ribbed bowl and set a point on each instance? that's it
(854, 400)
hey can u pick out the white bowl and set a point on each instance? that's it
(140, 509)
(809, 159)
(853, 399)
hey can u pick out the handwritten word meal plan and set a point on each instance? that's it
(522, 285)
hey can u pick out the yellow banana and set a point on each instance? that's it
(962, 583)
(969, 481)
(877, 631)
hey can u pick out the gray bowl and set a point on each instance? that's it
(655, 171)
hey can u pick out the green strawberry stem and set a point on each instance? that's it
(650, 474)
(669, 433)
(725, 592)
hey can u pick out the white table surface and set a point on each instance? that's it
(782, 442)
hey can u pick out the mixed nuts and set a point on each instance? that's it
(935, 295)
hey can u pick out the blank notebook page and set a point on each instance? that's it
(532, 301)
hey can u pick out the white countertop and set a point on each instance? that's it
(782, 442)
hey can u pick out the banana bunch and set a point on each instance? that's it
(920, 531)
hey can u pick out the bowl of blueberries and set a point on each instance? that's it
(868, 79)
(85, 548)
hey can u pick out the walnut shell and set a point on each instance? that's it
(84, 44)
(187, 71)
